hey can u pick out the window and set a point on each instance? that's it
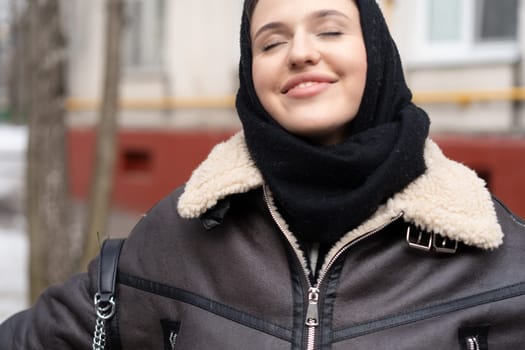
(137, 160)
(143, 34)
(4, 14)
(497, 20)
(444, 20)
(466, 30)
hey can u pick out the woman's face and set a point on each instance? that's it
(309, 65)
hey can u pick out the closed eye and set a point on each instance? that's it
(268, 47)
(332, 33)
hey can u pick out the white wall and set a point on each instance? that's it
(84, 25)
(200, 53)
(479, 72)
(200, 56)
(203, 50)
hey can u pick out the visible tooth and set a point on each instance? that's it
(306, 84)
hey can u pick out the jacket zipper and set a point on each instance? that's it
(312, 316)
(312, 312)
(473, 343)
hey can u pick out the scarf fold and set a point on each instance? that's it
(325, 191)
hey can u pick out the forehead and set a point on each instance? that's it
(296, 10)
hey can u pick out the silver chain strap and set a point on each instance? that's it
(99, 337)
(105, 310)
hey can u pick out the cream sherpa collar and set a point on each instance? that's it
(448, 198)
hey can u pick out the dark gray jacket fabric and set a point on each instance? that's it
(234, 277)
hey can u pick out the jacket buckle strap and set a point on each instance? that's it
(419, 239)
(444, 245)
(430, 241)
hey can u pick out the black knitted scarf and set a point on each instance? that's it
(325, 191)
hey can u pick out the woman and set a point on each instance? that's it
(331, 222)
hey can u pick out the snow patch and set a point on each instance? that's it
(13, 269)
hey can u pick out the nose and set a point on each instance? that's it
(303, 51)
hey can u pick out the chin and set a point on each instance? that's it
(320, 137)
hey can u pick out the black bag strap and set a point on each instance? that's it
(104, 300)
(107, 271)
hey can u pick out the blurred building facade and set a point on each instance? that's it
(4, 43)
(463, 51)
(463, 60)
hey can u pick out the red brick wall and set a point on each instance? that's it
(149, 164)
(152, 164)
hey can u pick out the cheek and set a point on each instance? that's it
(363, 73)
(361, 70)
(257, 77)
(358, 71)
(362, 62)
(262, 82)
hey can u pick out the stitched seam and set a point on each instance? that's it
(429, 312)
(206, 304)
(511, 214)
(516, 220)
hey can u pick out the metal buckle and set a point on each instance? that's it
(445, 245)
(105, 310)
(428, 241)
(423, 241)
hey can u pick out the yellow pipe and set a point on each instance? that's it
(469, 96)
(461, 97)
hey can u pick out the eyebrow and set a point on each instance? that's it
(314, 15)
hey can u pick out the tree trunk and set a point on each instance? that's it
(102, 179)
(47, 180)
(18, 56)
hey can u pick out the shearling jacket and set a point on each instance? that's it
(213, 266)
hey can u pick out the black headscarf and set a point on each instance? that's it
(326, 191)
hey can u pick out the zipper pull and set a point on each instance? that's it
(473, 343)
(312, 313)
(474, 337)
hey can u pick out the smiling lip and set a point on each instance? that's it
(305, 81)
(306, 85)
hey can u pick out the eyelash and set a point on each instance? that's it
(327, 34)
(333, 33)
(271, 46)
